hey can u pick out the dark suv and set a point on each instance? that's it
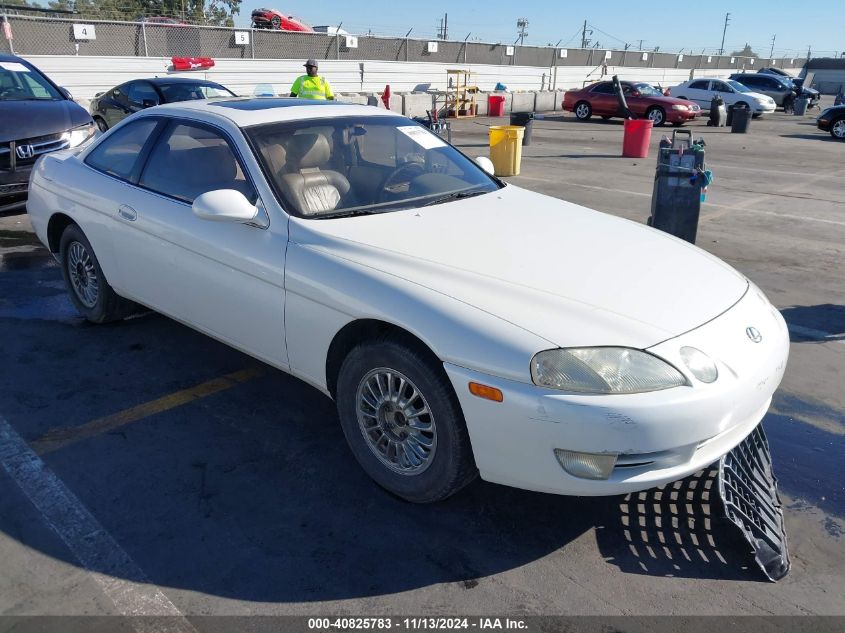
(36, 117)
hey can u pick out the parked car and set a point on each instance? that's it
(36, 117)
(833, 120)
(778, 88)
(111, 107)
(274, 19)
(515, 335)
(160, 20)
(805, 91)
(702, 91)
(643, 100)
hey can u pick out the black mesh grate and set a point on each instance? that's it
(749, 492)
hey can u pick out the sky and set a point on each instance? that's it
(691, 26)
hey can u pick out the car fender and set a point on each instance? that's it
(325, 292)
(61, 184)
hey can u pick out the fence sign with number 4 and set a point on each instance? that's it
(84, 32)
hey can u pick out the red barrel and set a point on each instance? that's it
(496, 105)
(637, 138)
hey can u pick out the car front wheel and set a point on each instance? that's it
(89, 291)
(583, 111)
(403, 423)
(837, 129)
(101, 124)
(657, 115)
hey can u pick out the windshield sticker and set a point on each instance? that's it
(421, 136)
(15, 67)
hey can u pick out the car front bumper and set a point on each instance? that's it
(659, 437)
(13, 188)
(681, 116)
(767, 108)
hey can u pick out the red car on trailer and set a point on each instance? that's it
(276, 20)
(643, 100)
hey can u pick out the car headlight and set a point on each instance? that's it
(603, 370)
(700, 364)
(680, 107)
(78, 135)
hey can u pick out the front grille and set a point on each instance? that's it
(11, 157)
(18, 187)
(749, 493)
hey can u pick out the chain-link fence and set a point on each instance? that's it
(59, 36)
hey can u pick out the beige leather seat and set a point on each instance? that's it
(311, 188)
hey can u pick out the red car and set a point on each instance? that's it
(273, 19)
(643, 100)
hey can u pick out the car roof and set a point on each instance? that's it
(10, 58)
(245, 112)
(160, 81)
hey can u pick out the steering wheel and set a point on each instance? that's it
(405, 172)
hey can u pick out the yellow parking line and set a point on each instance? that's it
(60, 437)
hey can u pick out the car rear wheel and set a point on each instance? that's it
(402, 421)
(837, 129)
(276, 21)
(657, 115)
(583, 110)
(89, 291)
(101, 124)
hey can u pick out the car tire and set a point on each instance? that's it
(89, 291)
(677, 124)
(379, 383)
(657, 115)
(837, 129)
(605, 117)
(583, 111)
(276, 21)
(101, 124)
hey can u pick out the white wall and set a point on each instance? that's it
(85, 76)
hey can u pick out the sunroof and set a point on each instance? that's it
(267, 103)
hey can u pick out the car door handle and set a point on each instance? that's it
(127, 212)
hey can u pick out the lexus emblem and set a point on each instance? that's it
(754, 334)
(24, 151)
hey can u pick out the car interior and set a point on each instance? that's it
(325, 168)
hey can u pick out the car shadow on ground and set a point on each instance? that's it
(818, 323)
(819, 136)
(252, 494)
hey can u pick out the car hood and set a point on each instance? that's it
(26, 119)
(569, 274)
(673, 101)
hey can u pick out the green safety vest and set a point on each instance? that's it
(307, 87)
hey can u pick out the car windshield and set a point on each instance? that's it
(19, 82)
(738, 86)
(185, 91)
(646, 90)
(323, 168)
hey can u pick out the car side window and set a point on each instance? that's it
(141, 91)
(189, 160)
(699, 85)
(603, 88)
(119, 94)
(118, 154)
(720, 86)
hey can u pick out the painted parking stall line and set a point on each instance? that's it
(117, 575)
(61, 437)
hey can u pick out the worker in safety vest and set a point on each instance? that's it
(311, 86)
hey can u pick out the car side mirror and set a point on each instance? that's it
(66, 93)
(486, 164)
(149, 103)
(224, 205)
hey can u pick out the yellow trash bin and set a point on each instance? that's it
(506, 148)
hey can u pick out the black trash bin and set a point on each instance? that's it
(740, 119)
(526, 120)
